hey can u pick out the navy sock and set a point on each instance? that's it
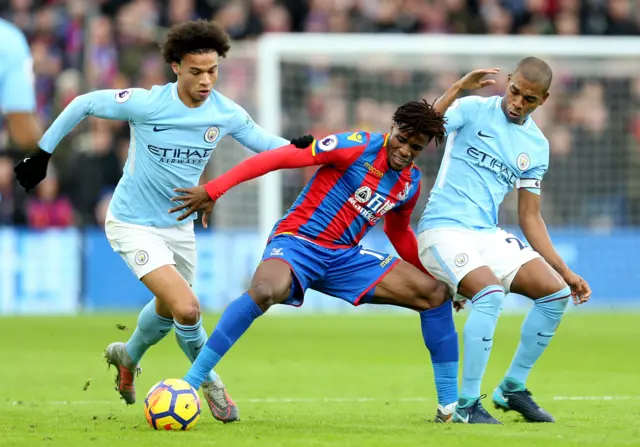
(150, 330)
(234, 322)
(441, 339)
(478, 340)
(537, 330)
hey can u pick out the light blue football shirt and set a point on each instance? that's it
(17, 90)
(485, 157)
(170, 143)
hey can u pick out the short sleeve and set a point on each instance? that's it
(17, 87)
(531, 178)
(459, 113)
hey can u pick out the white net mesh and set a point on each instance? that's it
(591, 120)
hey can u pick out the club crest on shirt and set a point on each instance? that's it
(523, 162)
(405, 192)
(123, 95)
(363, 194)
(211, 134)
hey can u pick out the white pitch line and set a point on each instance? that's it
(289, 400)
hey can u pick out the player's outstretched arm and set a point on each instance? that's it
(471, 81)
(286, 157)
(125, 105)
(535, 230)
(130, 105)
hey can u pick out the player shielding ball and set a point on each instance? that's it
(364, 178)
(493, 146)
(174, 129)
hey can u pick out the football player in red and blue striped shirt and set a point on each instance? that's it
(364, 177)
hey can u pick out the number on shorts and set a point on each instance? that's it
(517, 241)
(364, 251)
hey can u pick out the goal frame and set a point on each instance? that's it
(274, 48)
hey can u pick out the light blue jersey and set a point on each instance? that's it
(486, 156)
(170, 143)
(17, 92)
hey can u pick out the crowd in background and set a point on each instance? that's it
(593, 124)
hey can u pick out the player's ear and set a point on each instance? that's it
(175, 67)
(544, 98)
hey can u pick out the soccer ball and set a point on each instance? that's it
(172, 404)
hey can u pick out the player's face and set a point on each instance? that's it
(197, 74)
(403, 147)
(522, 98)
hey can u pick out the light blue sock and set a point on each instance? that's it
(441, 339)
(191, 340)
(234, 322)
(478, 340)
(537, 330)
(150, 330)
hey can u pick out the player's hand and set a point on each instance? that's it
(32, 169)
(192, 200)
(302, 142)
(580, 290)
(476, 79)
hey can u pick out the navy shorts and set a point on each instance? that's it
(350, 274)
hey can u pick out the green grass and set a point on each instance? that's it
(307, 359)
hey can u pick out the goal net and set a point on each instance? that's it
(322, 84)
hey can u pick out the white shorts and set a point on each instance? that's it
(145, 249)
(451, 253)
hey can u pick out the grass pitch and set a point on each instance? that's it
(316, 381)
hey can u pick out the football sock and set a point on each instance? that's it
(235, 320)
(150, 330)
(478, 340)
(191, 340)
(441, 339)
(537, 330)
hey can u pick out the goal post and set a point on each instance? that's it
(326, 83)
(586, 57)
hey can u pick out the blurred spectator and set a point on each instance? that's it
(6, 191)
(48, 208)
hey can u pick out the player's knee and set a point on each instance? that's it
(266, 294)
(433, 296)
(187, 314)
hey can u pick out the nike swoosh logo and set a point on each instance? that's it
(480, 134)
(200, 347)
(164, 332)
(542, 334)
(487, 339)
(156, 129)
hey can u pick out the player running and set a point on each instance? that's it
(174, 129)
(493, 146)
(17, 90)
(364, 177)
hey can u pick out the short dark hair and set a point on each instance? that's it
(198, 36)
(535, 70)
(419, 117)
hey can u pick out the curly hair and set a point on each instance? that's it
(419, 117)
(195, 37)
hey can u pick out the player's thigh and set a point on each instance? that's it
(182, 242)
(537, 279)
(271, 283)
(506, 254)
(172, 290)
(289, 265)
(452, 256)
(406, 286)
(141, 248)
